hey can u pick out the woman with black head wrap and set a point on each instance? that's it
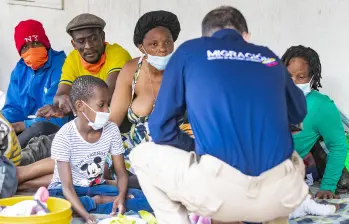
(139, 81)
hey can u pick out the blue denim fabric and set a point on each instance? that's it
(85, 194)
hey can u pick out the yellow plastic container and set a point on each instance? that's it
(60, 212)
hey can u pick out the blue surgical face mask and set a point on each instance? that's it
(158, 62)
(306, 87)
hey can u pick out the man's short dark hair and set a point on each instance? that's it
(83, 86)
(224, 17)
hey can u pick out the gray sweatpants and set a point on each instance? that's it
(37, 149)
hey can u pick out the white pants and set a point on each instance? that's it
(176, 183)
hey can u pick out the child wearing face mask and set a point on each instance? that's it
(80, 149)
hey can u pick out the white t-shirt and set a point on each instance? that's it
(86, 159)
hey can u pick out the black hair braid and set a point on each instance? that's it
(311, 57)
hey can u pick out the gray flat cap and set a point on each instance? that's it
(85, 20)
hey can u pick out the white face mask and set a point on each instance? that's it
(306, 87)
(101, 119)
(158, 62)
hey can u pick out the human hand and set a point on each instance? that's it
(49, 111)
(326, 195)
(296, 128)
(90, 219)
(119, 203)
(64, 104)
(18, 126)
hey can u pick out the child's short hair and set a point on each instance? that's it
(82, 88)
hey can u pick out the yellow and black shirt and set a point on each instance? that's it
(13, 149)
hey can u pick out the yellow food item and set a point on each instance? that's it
(148, 217)
(121, 219)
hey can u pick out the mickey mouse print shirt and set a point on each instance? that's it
(86, 159)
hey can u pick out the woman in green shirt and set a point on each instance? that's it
(323, 118)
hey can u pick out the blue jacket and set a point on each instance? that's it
(240, 101)
(28, 91)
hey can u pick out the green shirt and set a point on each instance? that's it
(323, 120)
(347, 159)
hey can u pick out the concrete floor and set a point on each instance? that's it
(77, 220)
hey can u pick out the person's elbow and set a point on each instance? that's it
(7, 114)
(161, 133)
(300, 111)
(11, 116)
(154, 132)
(297, 118)
(303, 107)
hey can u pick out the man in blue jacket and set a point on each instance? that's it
(33, 83)
(240, 101)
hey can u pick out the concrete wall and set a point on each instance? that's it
(321, 24)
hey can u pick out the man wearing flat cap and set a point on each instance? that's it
(91, 56)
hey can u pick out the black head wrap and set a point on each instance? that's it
(153, 19)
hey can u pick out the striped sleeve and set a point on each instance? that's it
(117, 146)
(15, 149)
(114, 70)
(11, 148)
(60, 150)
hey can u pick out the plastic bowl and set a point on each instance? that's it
(60, 212)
